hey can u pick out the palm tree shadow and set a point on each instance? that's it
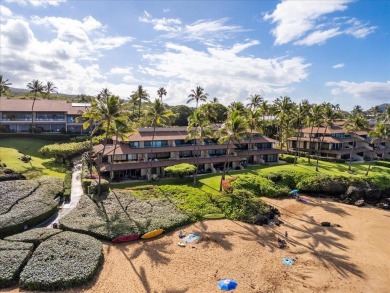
(155, 252)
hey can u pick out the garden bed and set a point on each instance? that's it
(35, 236)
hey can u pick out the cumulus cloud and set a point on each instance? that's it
(307, 23)
(161, 24)
(223, 72)
(37, 3)
(363, 91)
(5, 11)
(340, 65)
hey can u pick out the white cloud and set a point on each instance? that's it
(363, 91)
(161, 24)
(306, 22)
(222, 72)
(120, 70)
(5, 11)
(37, 3)
(165, 10)
(340, 65)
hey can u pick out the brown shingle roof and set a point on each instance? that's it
(333, 129)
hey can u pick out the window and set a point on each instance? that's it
(120, 158)
(339, 135)
(132, 157)
(159, 156)
(216, 152)
(183, 142)
(156, 143)
(134, 144)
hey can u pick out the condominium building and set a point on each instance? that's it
(18, 115)
(337, 143)
(143, 151)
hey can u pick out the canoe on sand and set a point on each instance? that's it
(152, 234)
(126, 238)
(214, 216)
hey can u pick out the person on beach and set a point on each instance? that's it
(286, 234)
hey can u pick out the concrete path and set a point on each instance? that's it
(75, 195)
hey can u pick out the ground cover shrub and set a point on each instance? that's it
(288, 159)
(64, 260)
(35, 236)
(13, 256)
(93, 186)
(383, 164)
(13, 191)
(65, 151)
(180, 170)
(259, 186)
(32, 209)
(122, 213)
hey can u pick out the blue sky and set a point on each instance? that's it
(336, 51)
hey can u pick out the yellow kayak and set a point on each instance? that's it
(152, 234)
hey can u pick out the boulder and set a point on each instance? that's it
(355, 192)
(383, 205)
(325, 224)
(360, 203)
(372, 194)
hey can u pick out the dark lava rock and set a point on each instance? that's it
(325, 224)
(383, 205)
(355, 193)
(360, 203)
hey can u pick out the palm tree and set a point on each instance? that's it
(232, 130)
(198, 129)
(314, 119)
(110, 111)
(104, 94)
(140, 95)
(161, 92)
(353, 125)
(357, 110)
(4, 86)
(36, 87)
(300, 118)
(330, 114)
(197, 95)
(283, 116)
(209, 112)
(253, 119)
(239, 106)
(379, 135)
(49, 88)
(255, 101)
(157, 115)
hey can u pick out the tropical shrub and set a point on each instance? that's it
(65, 151)
(35, 236)
(64, 260)
(180, 170)
(13, 256)
(13, 191)
(259, 186)
(383, 164)
(93, 186)
(122, 213)
(31, 209)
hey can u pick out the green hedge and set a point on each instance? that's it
(259, 186)
(46, 136)
(65, 260)
(13, 191)
(121, 213)
(35, 236)
(93, 184)
(33, 209)
(13, 256)
(65, 151)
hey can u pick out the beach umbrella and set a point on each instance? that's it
(227, 284)
(294, 191)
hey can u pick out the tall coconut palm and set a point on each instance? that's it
(353, 125)
(314, 119)
(161, 92)
(255, 101)
(36, 88)
(330, 114)
(140, 95)
(110, 110)
(157, 115)
(4, 86)
(231, 131)
(301, 116)
(209, 111)
(283, 116)
(198, 129)
(49, 88)
(254, 122)
(104, 94)
(379, 135)
(357, 110)
(197, 95)
(239, 106)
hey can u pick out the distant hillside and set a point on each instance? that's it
(383, 106)
(22, 92)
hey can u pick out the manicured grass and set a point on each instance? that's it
(11, 149)
(210, 182)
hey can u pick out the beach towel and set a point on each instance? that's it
(288, 261)
(191, 238)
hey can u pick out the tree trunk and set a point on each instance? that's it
(372, 155)
(151, 152)
(320, 147)
(310, 141)
(250, 143)
(104, 149)
(32, 115)
(197, 158)
(297, 146)
(112, 161)
(224, 165)
(350, 155)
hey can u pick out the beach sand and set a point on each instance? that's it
(352, 258)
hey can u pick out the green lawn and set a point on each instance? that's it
(11, 149)
(210, 182)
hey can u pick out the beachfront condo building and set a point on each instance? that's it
(142, 151)
(48, 116)
(337, 143)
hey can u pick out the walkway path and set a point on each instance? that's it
(75, 196)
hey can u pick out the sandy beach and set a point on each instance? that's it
(354, 257)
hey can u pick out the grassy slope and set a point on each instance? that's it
(38, 166)
(210, 183)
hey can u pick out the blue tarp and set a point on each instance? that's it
(288, 261)
(227, 284)
(294, 191)
(191, 238)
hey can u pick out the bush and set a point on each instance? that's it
(13, 256)
(65, 151)
(259, 186)
(35, 236)
(13, 191)
(33, 208)
(383, 164)
(93, 186)
(65, 260)
(180, 170)
(121, 213)
(288, 159)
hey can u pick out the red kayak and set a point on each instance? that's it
(126, 238)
